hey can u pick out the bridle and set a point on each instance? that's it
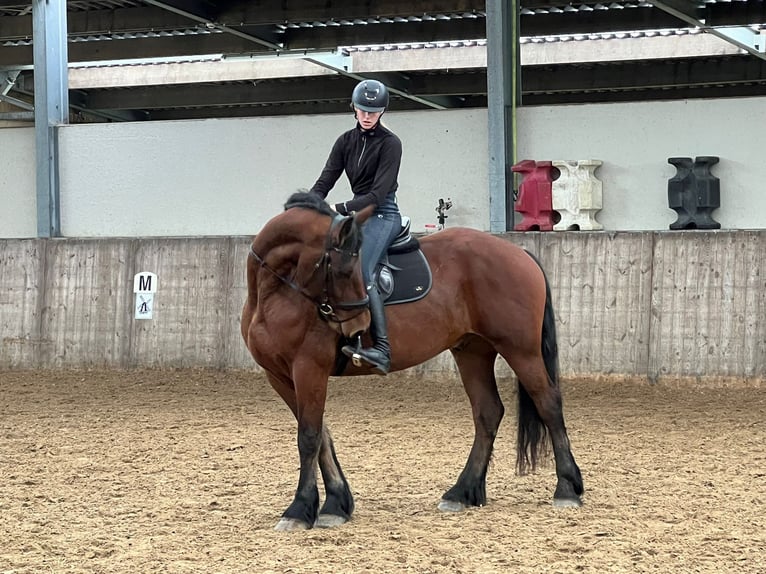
(323, 302)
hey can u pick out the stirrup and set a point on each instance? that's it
(359, 358)
(353, 352)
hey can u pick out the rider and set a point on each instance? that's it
(370, 154)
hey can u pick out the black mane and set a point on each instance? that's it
(309, 201)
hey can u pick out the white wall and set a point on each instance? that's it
(18, 201)
(635, 140)
(229, 176)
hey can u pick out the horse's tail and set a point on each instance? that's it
(532, 440)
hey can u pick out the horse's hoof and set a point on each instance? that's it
(330, 521)
(451, 506)
(567, 502)
(290, 524)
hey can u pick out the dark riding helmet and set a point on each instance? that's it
(370, 96)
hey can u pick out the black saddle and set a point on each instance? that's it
(403, 276)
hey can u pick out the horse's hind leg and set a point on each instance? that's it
(540, 408)
(475, 359)
(339, 502)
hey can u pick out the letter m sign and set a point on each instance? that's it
(145, 282)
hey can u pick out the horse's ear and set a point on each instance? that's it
(344, 230)
(364, 214)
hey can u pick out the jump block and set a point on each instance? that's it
(534, 202)
(577, 195)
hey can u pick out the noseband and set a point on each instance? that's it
(323, 302)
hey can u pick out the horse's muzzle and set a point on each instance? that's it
(355, 326)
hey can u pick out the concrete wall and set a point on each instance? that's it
(70, 303)
(635, 140)
(654, 305)
(229, 176)
(18, 202)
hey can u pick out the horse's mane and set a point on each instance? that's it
(308, 200)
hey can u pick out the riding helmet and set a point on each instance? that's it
(370, 96)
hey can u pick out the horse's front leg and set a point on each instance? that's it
(306, 398)
(339, 502)
(302, 512)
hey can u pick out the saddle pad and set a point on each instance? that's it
(412, 277)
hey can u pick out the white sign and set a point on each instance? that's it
(145, 286)
(145, 282)
(144, 305)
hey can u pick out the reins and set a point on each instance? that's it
(322, 302)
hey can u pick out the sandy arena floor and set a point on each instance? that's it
(189, 471)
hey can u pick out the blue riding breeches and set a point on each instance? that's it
(378, 232)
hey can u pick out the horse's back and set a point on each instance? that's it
(475, 254)
(466, 236)
(483, 285)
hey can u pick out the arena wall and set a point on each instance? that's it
(653, 305)
(225, 177)
(18, 200)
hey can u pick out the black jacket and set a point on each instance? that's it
(371, 161)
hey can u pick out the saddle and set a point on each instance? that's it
(403, 276)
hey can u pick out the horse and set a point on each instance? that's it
(306, 296)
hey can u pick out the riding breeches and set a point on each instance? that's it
(378, 232)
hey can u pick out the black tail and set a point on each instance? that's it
(532, 439)
(550, 346)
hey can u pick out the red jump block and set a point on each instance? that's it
(535, 200)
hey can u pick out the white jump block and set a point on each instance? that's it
(577, 195)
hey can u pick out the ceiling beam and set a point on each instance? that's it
(201, 17)
(596, 22)
(171, 15)
(269, 12)
(743, 37)
(16, 102)
(296, 108)
(450, 88)
(98, 22)
(241, 93)
(643, 74)
(398, 32)
(172, 46)
(292, 108)
(649, 94)
(740, 14)
(249, 36)
(154, 18)
(17, 116)
(133, 20)
(691, 73)
(246, 15)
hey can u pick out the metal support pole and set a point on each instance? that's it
(502, 88)
(49, 37)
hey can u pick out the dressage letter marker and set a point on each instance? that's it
(144, 286)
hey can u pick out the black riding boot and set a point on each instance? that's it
(379, 355)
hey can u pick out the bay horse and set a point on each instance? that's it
(305, 294)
